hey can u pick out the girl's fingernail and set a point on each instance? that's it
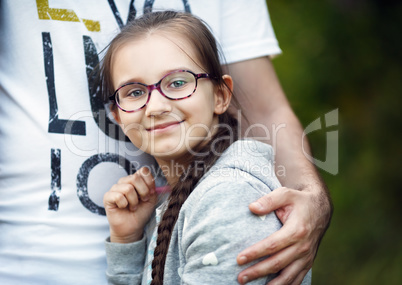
(244, 279)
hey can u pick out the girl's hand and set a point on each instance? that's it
(129, 205)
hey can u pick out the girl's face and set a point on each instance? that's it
(166, 129)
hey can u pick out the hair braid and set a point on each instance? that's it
(183, 189)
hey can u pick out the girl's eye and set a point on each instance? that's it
(177, 83)
(135, 93)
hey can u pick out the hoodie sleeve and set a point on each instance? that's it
(219, 225)
(125, 262)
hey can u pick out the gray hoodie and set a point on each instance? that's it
(213, 227)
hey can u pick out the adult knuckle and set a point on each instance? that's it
(286, 191)
(271, 247)
(259, 271)
(301, 232)
(310, 262)
(266, 200)
(309, 259)
(288, 279)
(276, 266)
(305, 249)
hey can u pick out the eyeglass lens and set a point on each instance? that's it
(176, 85)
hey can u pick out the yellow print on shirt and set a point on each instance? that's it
(47, 13)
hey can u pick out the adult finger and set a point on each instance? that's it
(279, 240)
(292, 270)
(291, 275)
(263, 268)
(272, 201)
(299, 278)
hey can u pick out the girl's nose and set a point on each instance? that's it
(157, 104)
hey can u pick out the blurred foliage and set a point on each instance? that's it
(347, 54)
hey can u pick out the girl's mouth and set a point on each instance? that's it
(164, 126)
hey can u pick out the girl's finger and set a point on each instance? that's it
(112, 200)
(137, 180)
(148, 178)
(129, 193)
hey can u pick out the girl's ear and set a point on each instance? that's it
(223, 95)
(115, 113)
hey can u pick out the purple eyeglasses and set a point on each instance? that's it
(176, 85)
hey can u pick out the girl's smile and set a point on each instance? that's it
(162, 127)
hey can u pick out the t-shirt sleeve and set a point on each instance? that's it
(217, 228)
(246, 31)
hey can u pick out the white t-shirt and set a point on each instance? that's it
(59, 151)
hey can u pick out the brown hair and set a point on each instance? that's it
(205, 48)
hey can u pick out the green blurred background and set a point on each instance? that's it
(347, 55)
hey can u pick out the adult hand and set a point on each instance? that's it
(305, 216)
(129, 205)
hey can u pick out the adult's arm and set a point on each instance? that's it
(303, 204)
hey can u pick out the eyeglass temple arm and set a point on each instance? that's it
(202, 75)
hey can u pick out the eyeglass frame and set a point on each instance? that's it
(157, 86)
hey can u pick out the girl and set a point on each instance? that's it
(181, 120)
